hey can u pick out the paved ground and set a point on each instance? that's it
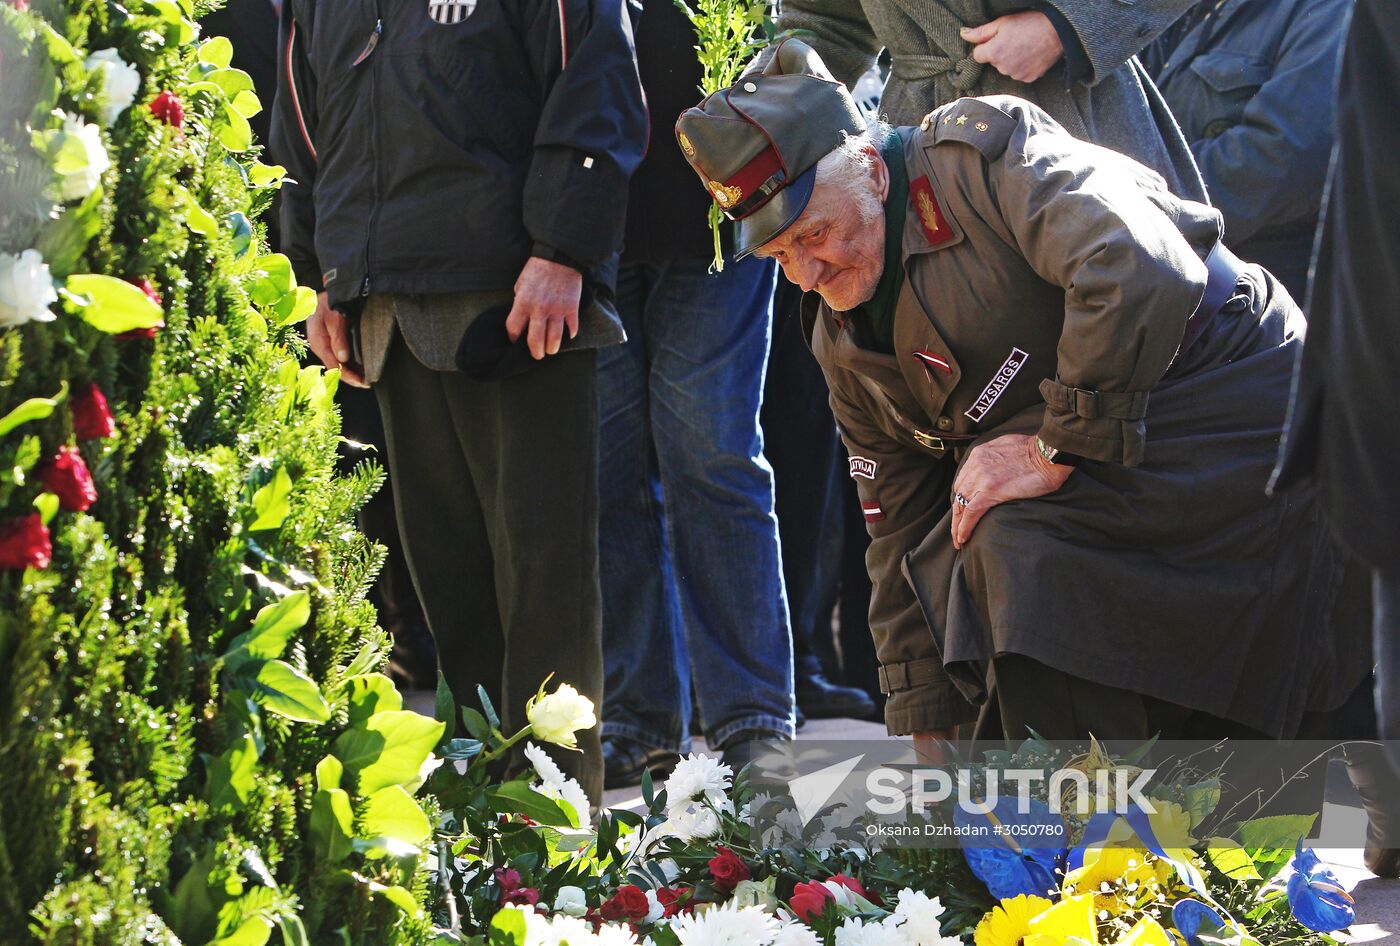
(1377, 901)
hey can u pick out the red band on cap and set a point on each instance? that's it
(749, 179)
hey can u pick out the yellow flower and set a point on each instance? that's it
(1147, 932)
(556, 717)
(1071, 921)
(1009, 921)
(1117, 877)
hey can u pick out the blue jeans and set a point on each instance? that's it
(688, 542)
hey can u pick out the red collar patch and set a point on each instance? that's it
(932, 221)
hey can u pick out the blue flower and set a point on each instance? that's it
(996, 844)
(1188, 916)
(1316, 896)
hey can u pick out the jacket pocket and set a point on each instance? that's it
(1230, 81)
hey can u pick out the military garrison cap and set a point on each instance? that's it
(756, 144)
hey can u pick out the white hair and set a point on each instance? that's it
(848, 167)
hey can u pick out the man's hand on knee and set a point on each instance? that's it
(998, 471)
(546, 302)
(1021, 46)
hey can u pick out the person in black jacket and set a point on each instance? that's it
(1342, 426)
(456, 159)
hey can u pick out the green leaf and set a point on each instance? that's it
(265, 175)
(488, 709)
(230, 81)
(275, 280)
(293, 932)
(401, 898)
(241, 232)
(331, 822)
(507, 929)
(387, 749)
(216, 51)
(113, 305)
(191, 912)
(235, 133)
(519, 798)
(36, 408)
(1276, 833)
(47, 504)
(370, 694)
(230, 775)
(286, 691)
(65, 240)
(270, 502)
(392, 813)
(476, 724)
(272, 629)
(1201, 799)
(328, 773)
(445, 707)
(246, 103)
(1231, 860)
(295, 307)
(254, 931)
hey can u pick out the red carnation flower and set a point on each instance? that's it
(521, 896)
(145, 286)
(727, 868)
(809, 900)
(629, 903)
(91, 418)
(67, 477)
(508, 879)
(168, 109)
(24, 542)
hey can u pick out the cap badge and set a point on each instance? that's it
(725, 195)
(686, 146)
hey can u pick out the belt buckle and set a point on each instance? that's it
(930, 442)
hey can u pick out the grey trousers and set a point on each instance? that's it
(495, 485)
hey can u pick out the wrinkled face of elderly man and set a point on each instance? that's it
(837, 246)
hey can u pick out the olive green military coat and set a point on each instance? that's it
(1114, 105)
(1049, 283)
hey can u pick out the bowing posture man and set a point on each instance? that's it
(1061, 397)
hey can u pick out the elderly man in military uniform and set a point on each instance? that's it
(1061, 397)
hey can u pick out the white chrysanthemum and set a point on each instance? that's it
(697, 776)
(796, 934)
(82, 159)
(609, 934)
(693, 824)
(26, 289)
(854, 932)
(548, 770)
(555, 784)
(919, 917)
(120, 82)
(725, 925)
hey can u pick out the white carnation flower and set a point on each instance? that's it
(82, 159)
(725, 925)
(919, 916)
(697, 776)
(570, 901)
(557, 716)
(655, 909)
(26, 289)
(120, 81)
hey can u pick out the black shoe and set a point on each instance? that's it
(819, 698)
(625, 761)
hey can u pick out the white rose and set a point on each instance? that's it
(753, 893)
(556, 717)
(120, 81)
(570, 901)
(26, 289)
(81, 158)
